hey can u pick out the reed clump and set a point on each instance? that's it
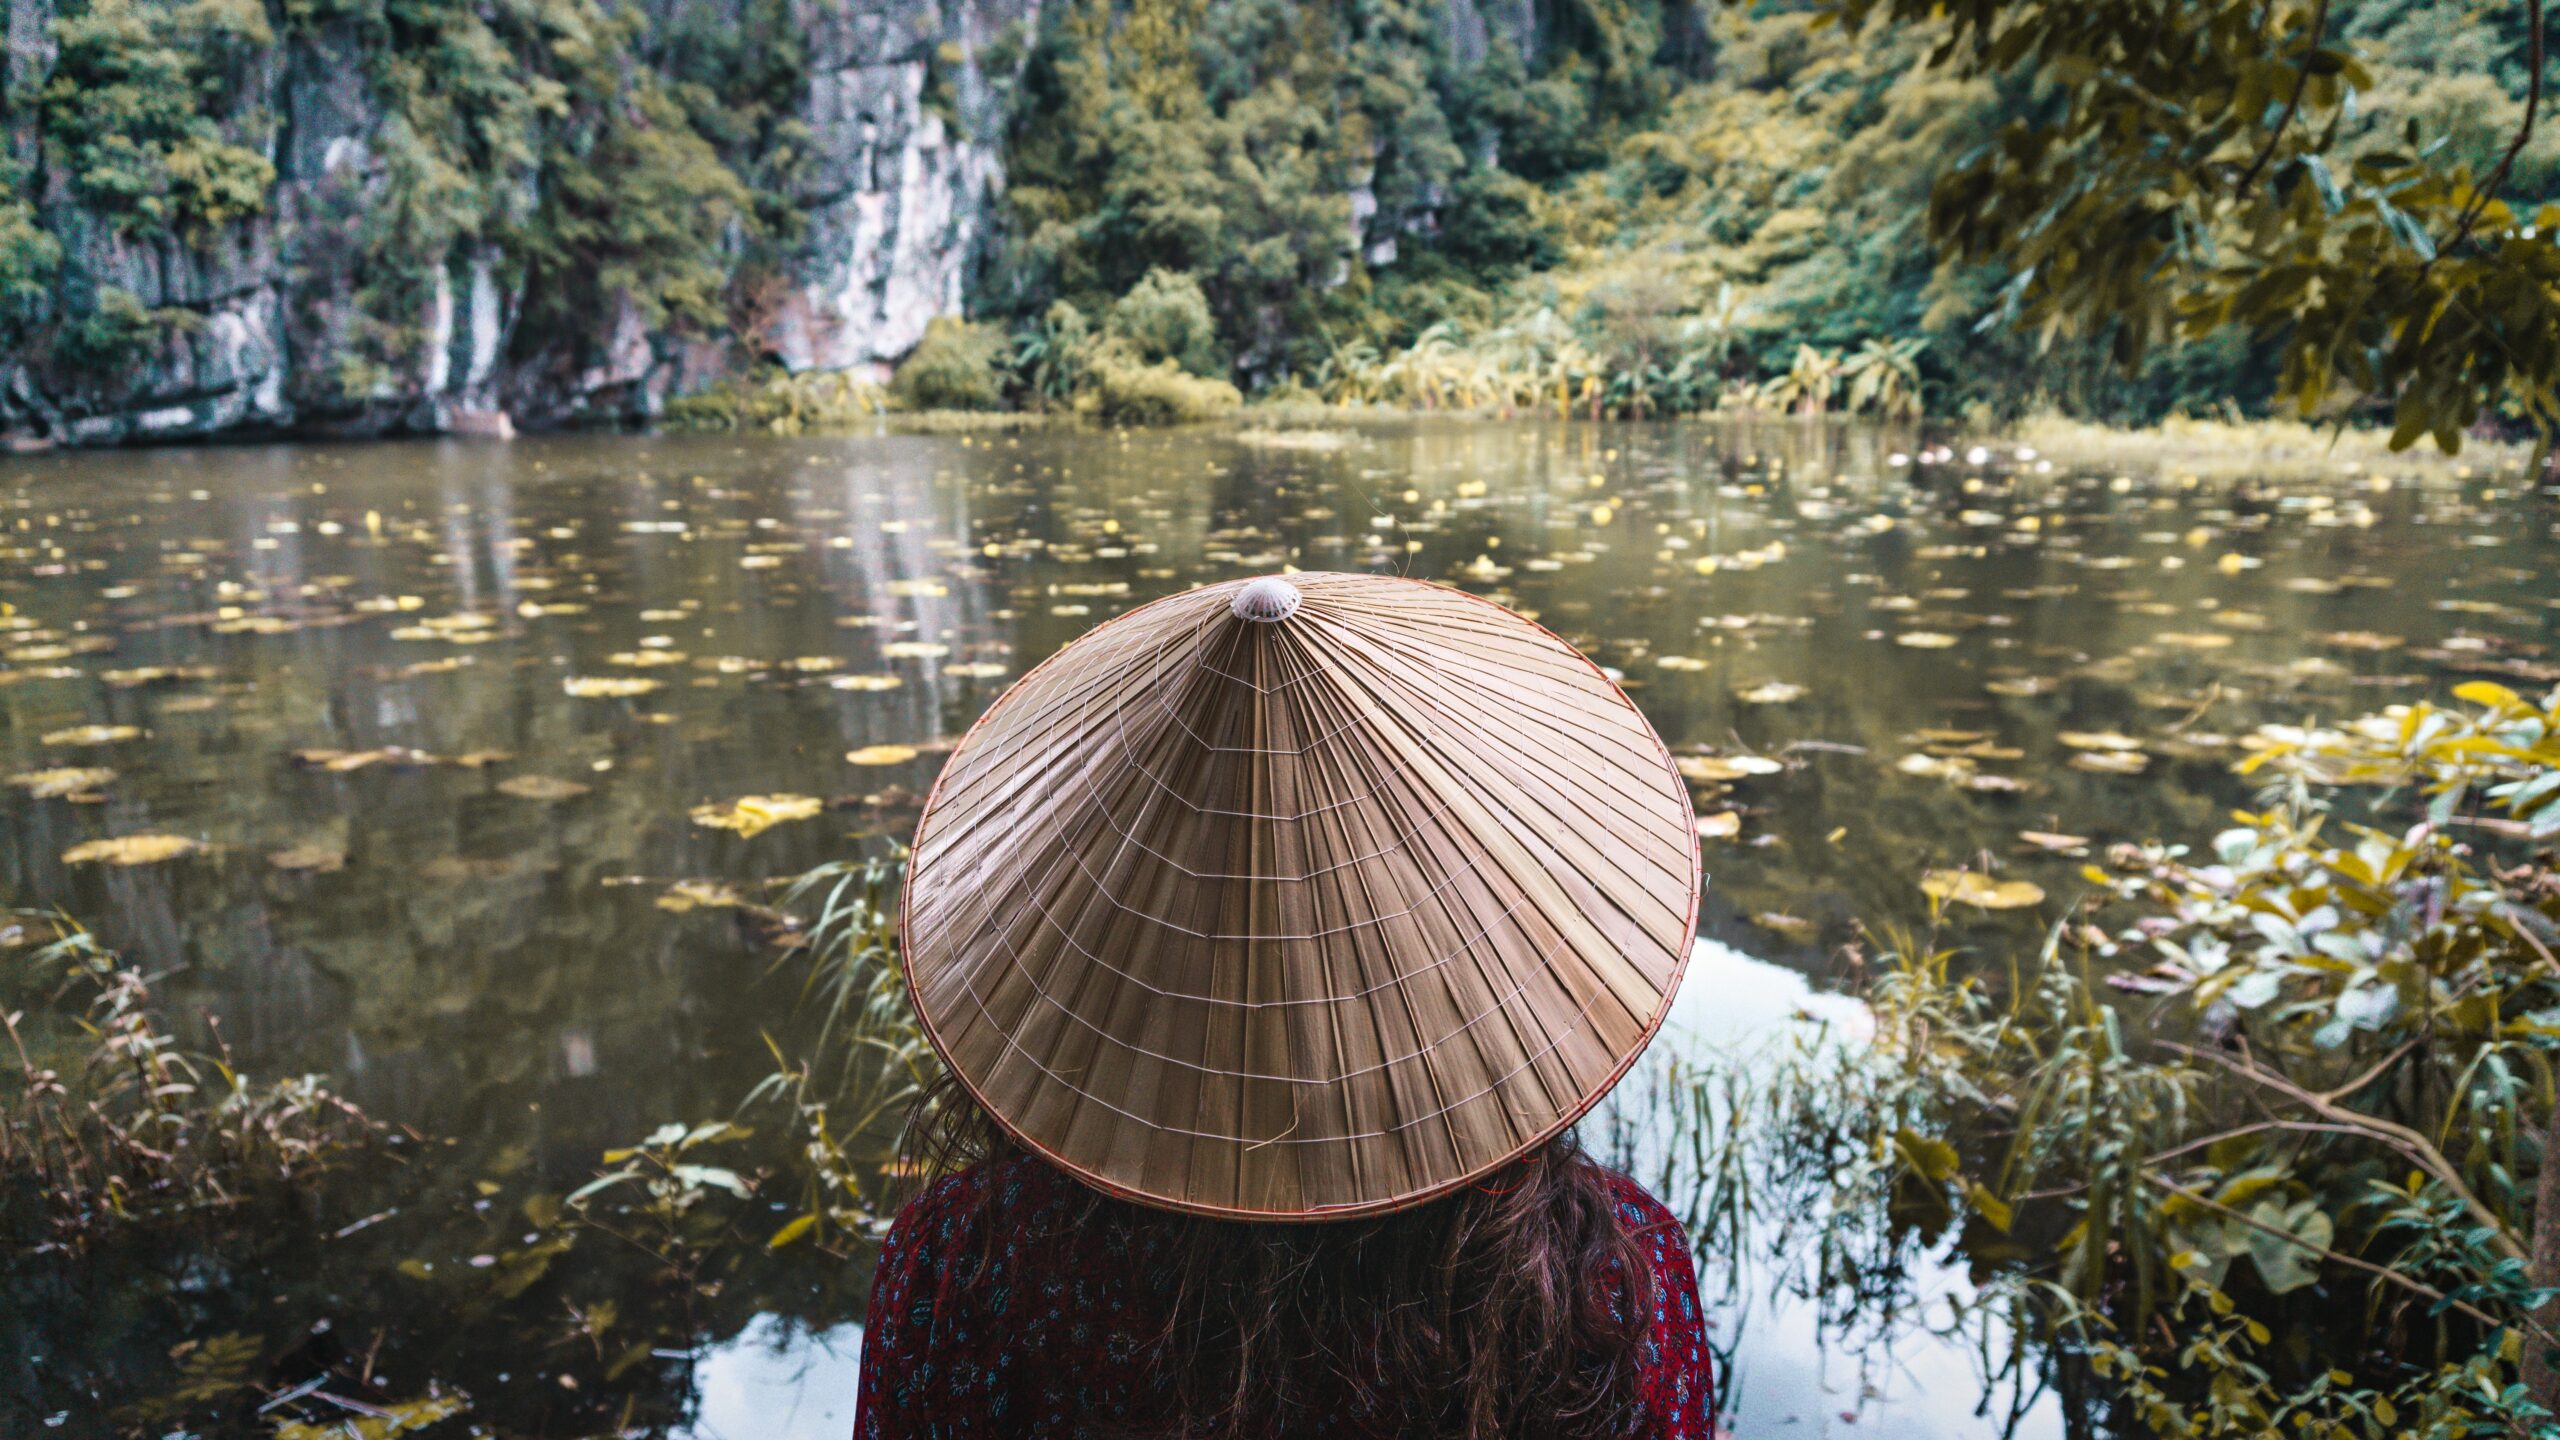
(111, 1119)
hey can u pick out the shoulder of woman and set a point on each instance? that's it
(1637, 1206)
(950, 1203)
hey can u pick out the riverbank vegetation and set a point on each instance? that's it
(1667, 209)
(189, 1249)
(2259, 1141)
(1623, 209)
(2256, 1141)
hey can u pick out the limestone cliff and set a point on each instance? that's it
(258, 324)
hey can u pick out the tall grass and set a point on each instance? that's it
(112, 1119)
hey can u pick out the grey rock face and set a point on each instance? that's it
(255, 327)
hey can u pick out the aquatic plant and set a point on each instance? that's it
(114, 1121)
(860, 1061)
(2308, 1187)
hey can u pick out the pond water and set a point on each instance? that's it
(435, 720)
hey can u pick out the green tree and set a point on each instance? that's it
(139, 107)
(1166, 317)
(2172, 168)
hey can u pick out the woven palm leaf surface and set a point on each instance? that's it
(1301, 898)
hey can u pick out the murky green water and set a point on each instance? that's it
(438, 716)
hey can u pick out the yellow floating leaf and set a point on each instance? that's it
(1710, 769)
(2025, 686)
(1722, 825)
(540, 787)
(93, 735)
(2111, 762)
(2098, 740)
(1794, 927)
(1935, 767)
(144, 849)
(867, 683)
(607, 687)
(881, 755)
(687, 895)
(1772, 692)
(752, 815)
(1967, 887)
(1924, 639)
(65, 780)
(308, 859)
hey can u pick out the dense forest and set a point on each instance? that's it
(381, 214)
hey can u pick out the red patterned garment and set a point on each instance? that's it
(1047, 1340)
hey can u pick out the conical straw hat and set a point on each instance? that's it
(1300, 898)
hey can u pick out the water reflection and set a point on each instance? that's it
(772, 1381)
(367, 678)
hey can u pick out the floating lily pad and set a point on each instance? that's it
(2098, 740)
(752, 815)
(93, 735)
(881, 755)
(2111, 762)
(147, 848)
(1712, 769)
(1967, 887)
(2024, 686)
(608, 687)
(1935, 767)
(1770, 692)
(1794, 927)
(541, 787)
(308, 859)
(685, 895)
(62, 781)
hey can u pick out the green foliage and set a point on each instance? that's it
(114, 332)
(635, 203)
(29, 256)
(778, 402)
(2215, 164)
(1122, 389)
(1166, 317)
(138, 105)
(1048, 355)
(953, 368)
(114, 1123)
(540, 130)
(2346, 1088)
(1284, 156)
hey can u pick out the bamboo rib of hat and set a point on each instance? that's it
(1301, 898)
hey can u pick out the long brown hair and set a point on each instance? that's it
(1515, 1308)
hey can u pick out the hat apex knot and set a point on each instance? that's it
(1267, 599)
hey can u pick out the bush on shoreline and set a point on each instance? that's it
(2308, 1186)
